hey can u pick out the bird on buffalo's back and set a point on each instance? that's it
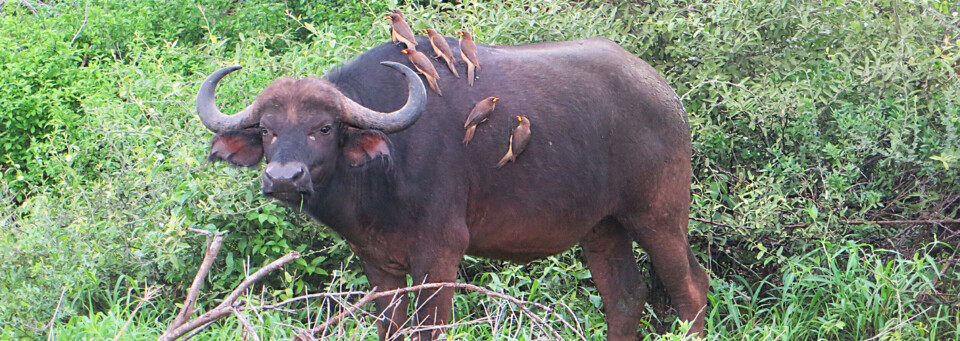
(422, 63)
(400, 30)
(468, 51)
(442, 50)
(477, 115)
(518, 141)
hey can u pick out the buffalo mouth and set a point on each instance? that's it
(291, 197)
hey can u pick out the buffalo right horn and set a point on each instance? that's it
(211, 117)
(390, 122)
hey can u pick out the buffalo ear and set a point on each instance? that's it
(239, 147)
(361, 146)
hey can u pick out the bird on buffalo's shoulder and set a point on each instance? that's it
(422, 63)
(468, 51)
(478, 115)
(400, 30)
(442, 50)
(518, 141)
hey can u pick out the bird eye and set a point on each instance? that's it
(326, 129)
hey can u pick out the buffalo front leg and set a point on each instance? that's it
(608, 250)
(434, 306)
(435, 260)
(391, 310)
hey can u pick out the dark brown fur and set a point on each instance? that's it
(609, 166)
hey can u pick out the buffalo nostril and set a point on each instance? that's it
(290, 171)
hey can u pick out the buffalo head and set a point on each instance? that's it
(305, 129)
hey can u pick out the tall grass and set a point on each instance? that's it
(803, 114)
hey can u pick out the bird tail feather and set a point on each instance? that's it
(469, 134)
(451, 67)
(434, 86)
(469, 73)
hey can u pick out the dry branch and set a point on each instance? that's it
(522, 305)
(850, 222)
(226, 307)
(246, 324)
(189, 304)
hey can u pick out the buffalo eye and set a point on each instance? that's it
(264, 131)
(326, 129)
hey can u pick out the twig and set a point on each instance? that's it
(307, 297)
(226, 307)
(885, 332)
(205, 232)
(198, 330)
(27, 4)
(408, 331)
(308, 334)
(522, 305)
(84, 24)
(893, 222)
(850, 222)
(188, 305)
(54, 318)
(148, 295)
(246, 325)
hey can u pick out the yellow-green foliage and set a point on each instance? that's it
(802, 113)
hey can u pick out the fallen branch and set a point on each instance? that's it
(189, 304)
(522, 305)
(850, 222)
(148, 294)
(901, 324)
(226, 307)
(84, 24)
(246, 325)
(54, 318)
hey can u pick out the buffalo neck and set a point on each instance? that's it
(353, 200)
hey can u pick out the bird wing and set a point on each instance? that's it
(469, 51)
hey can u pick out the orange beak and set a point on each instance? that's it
(405, 51)
(519, 118)
(496, 99)
(460, 32)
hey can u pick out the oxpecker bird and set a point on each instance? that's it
(518, 141)
(442, 50)
(479, 114)
(468, 51)
(422, 63)
(400, 31)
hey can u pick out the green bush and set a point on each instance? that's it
(802, 114)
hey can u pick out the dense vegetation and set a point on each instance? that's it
(811, 121)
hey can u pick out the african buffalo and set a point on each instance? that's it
(608, 164)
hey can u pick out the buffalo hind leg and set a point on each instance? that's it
(608, 250)
(664, 237)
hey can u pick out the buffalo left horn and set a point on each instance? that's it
(390, 122)
(211, 117)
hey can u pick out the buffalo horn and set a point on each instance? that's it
(211, 117)
(390, 122)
